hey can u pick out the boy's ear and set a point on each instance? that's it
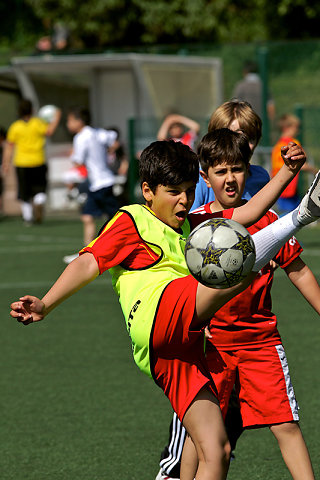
(205, 178)
(146, 192)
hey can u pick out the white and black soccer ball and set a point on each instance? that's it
(47, 113)
(220, 253)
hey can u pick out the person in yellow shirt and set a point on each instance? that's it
(25, 146)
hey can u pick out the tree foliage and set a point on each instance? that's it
(108, 23)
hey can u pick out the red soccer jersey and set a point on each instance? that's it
(120, 242)
(247, 319)
(187, 138)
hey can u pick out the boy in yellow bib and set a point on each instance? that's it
(166, 308)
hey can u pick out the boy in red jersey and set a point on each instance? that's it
(244, 347)
(164, 307)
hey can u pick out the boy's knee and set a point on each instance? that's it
(227, 452)
(287, 428)
(221, 452)
(87, 219)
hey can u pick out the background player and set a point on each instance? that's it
(289, 126)
(25, 146)
(238, 116)
(249, 89)
(180, 129)
(90, 149)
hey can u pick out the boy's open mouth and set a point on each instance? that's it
(181, 215)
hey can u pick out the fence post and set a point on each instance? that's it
(132, 174)
(303, 181)
(298, 110)
(263, 70)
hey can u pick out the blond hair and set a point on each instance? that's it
(288, 120)
(249, 122)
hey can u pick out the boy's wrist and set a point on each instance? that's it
(294, 168)
(45, 309)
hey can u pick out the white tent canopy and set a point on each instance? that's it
(122, 86)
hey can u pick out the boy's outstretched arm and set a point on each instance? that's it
(303, 279)
(176, 118)
(294, 157)
(80, 272)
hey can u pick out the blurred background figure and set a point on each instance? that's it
(57, 40)
(90, 149)
(76, 181)
(118, 163)
(180, 129)
(289, 129)
(25, 147)
(249, 89)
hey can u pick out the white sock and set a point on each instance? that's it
(270, 239)
(27, 211)
(39, 199)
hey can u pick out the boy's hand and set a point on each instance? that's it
(28, 309)
(207, 333)
(293, 156)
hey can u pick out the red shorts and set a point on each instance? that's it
(178, 362)
(262, 380)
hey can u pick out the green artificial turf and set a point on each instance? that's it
(73, 404)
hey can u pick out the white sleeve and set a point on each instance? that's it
(79, 153)
(106, 137)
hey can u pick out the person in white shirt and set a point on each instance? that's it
(90, 149)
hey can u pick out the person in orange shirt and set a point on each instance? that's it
(289, 126)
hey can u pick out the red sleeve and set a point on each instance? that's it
(120, 243)
(196, 218)
(289, 252)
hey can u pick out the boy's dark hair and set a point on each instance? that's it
(223, 146)
(25, 108)
(250, 66)
(81, 113)
(168, 163)
(115, 129)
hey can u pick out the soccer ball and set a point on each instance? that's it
(47, 113)
(220, 253)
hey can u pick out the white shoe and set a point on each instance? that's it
(163, 476)
(69, 258)
(309, 208)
